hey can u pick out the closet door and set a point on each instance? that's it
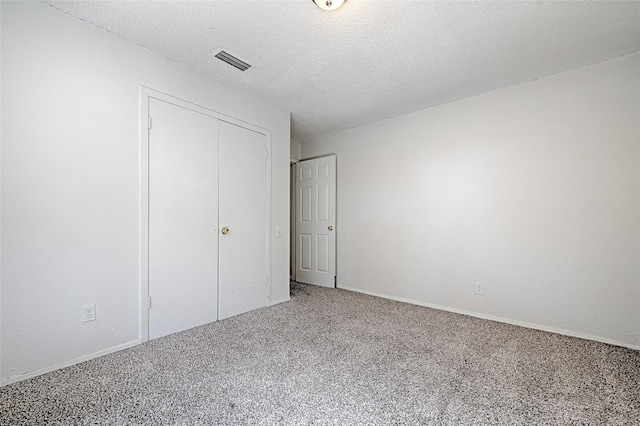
(243, 220)
(183, 217)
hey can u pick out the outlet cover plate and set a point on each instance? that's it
(89, 313)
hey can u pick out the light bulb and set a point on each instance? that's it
(329, 4)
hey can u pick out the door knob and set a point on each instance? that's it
(330, 228)
(224, 230)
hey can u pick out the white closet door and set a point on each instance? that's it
(183, 213)
(243, 206)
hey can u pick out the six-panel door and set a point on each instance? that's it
(315, 221)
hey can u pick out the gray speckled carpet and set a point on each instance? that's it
(338, 357)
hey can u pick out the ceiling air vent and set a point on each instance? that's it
(232, 60)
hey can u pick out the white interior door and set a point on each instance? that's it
(243, 277)
(183, 213)
(315, 221)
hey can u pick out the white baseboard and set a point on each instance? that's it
(275, 302)
(499, 319)
(78, 360)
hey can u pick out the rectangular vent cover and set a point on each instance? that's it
(232, 60)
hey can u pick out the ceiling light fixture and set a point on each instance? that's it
(328, 4)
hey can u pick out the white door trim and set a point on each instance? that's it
(292, 219)
(146, 94)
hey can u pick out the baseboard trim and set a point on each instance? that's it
(276, 302)
(498, 319)
(34, 373)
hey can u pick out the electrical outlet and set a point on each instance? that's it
(89, 313)
(479, 288)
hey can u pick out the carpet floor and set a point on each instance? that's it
(339, 357)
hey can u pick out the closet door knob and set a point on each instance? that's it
(224, 230)
(330, 228)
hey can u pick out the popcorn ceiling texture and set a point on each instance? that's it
(331, 356)
(372, 59)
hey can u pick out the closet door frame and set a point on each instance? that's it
(146, 94)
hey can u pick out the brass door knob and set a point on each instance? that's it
(224, 230)
(330, 228)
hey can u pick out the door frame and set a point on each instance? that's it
(292, 219)
(146, 94)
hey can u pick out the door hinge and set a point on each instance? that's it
(148, 122)
(149, 302)
(266, 153)
(266, 279)
(335, 281)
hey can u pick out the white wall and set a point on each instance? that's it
(70, 183)
(533, 190)
(296, 149)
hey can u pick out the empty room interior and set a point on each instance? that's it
(320, 212)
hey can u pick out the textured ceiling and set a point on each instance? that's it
(371, 59)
